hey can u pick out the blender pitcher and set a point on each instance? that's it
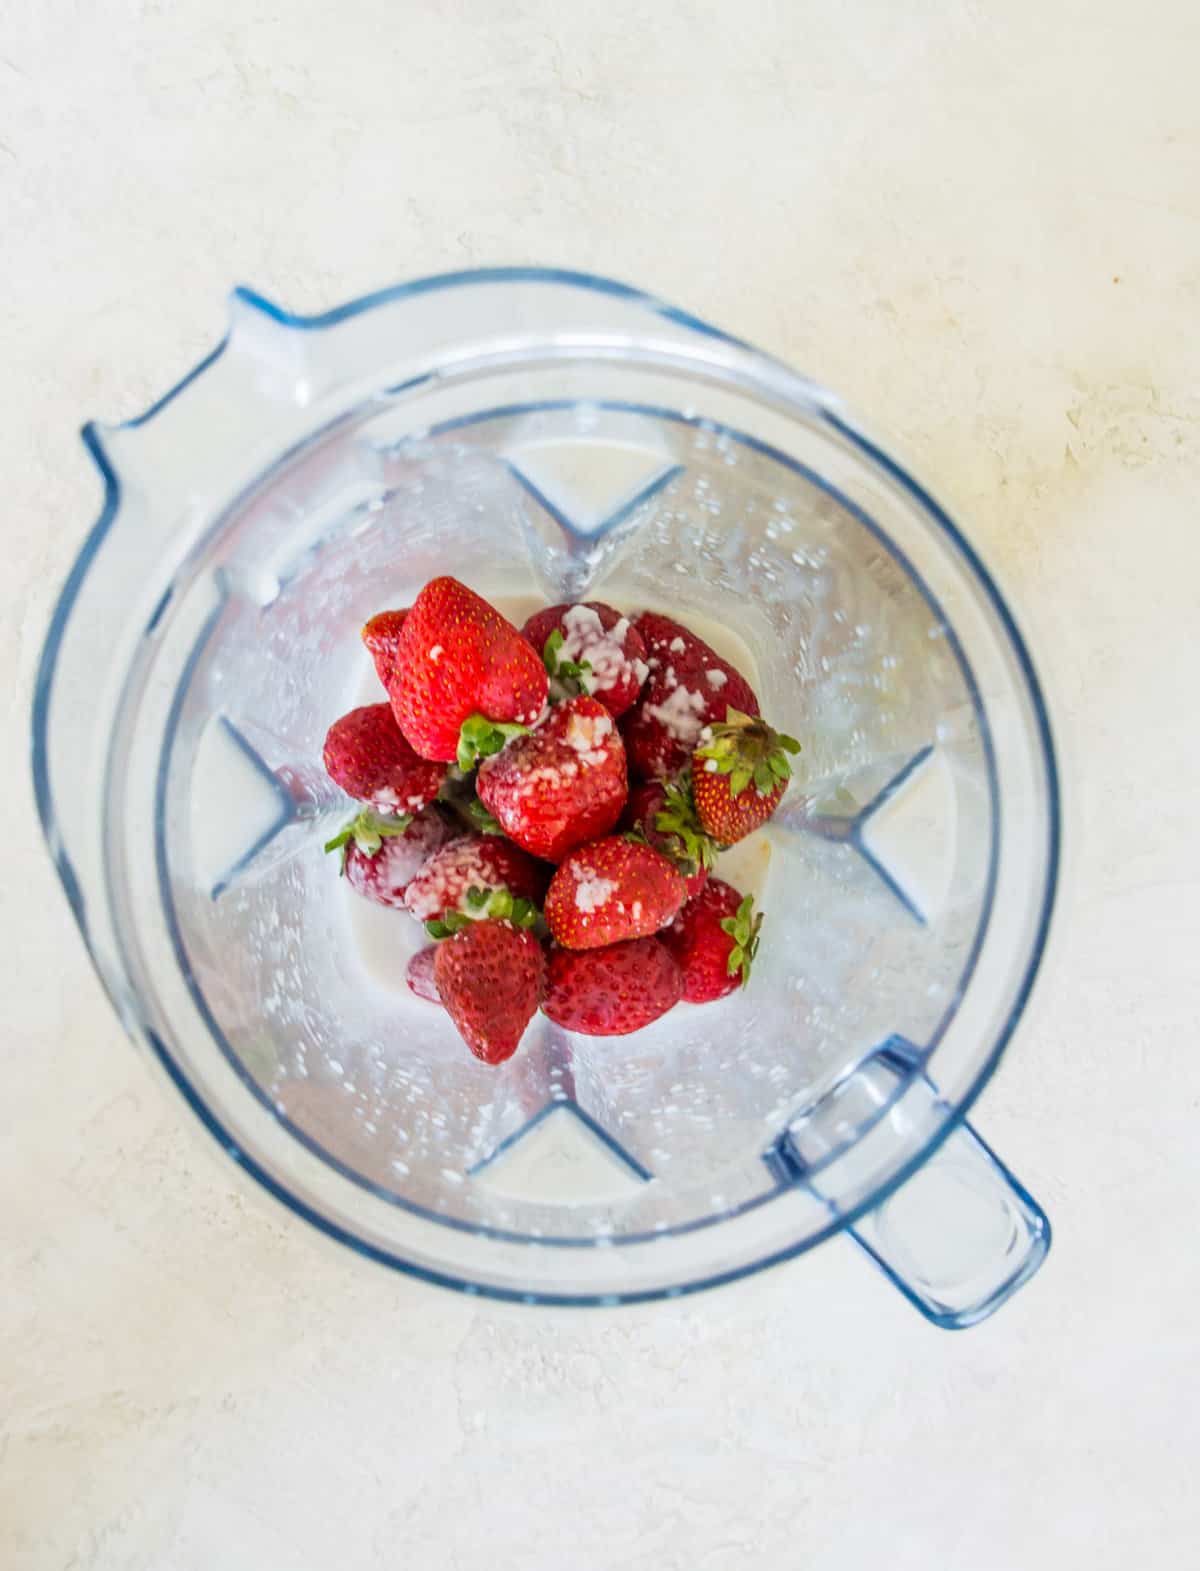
(548, 436)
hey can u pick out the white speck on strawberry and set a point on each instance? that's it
(580, 623)
(677, 646)
(584, 639)
(679, 714)
(546, 774)
(591, 893)
(586, 735)
(444, 887)
(436, 652)
(716, 679)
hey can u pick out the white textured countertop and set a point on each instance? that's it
(982, 225)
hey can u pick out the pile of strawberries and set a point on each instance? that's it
(550, 802)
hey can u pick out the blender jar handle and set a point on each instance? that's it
(960, 1236)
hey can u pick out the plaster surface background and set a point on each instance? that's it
(981, 224)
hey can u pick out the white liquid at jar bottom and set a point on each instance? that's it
(384, 938)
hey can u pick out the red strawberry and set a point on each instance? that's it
(366, 754)
(460, 661)
(611, 991)
(714, 939)
(665, 815)
(562, 784)
(689, 687)
(739, 775)
(489, 977)
(473, 862)
(593, 648)
(419, 974)
(381, 856)
(612, 890)
(382, 637)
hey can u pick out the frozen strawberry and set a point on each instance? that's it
(714, 939)
(689, 686)
(489, 978)
(381, 856)
(590, 648)
(612, 890)
(419, 974)
(611, 991)
(739, 774)
(481, 862)
(459, 664)
(382, 638)
(562, 784)
(366, 754)
(664, 814)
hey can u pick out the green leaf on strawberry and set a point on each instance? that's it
(481, 737)
(368, 832)
(458, 794)
(564, 670)
(484, 905)
(480, 819)
(677, 816)
(745, 748)
(743, 927)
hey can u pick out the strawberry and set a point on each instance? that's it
(689, 687)
(664, 814)
(419, 974)
(489, 978)
(381, 856)
(461, 665)
(562, 784)
(611, 890)
(740, 773)
(590, 648)
(366, 754)
(382, 637)
(714, 939)
(613, 990)
(480, 862)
